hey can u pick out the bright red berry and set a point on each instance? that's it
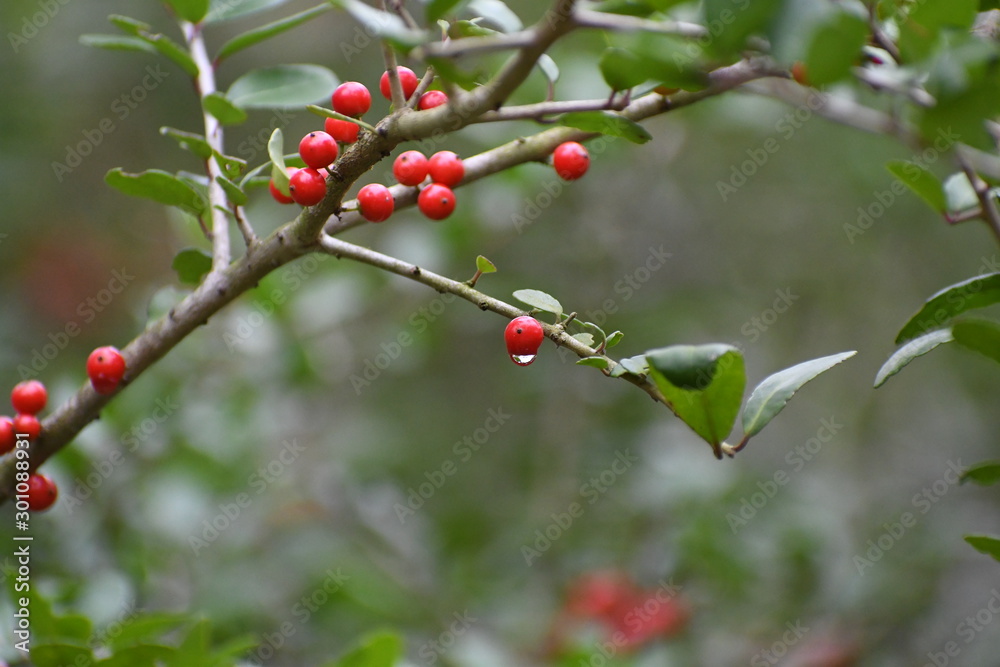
(42, 492)
(343, 131)
(407, 79)
(523, 336)
(352, 99)
(446, 168)
(436, 201)
(105, 368)
(29, 397)
(410, 168)
(431, 99)
(8, 438)
(308, 187)
(277, 194)
(571, 160)
(375, 202)
(29, 425)
(318, 149)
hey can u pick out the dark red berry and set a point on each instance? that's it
(28, 425)
(571, 160)
(29, 397)
(105, 368)
(410, 168)
(436, 201)
(42, 492)
(8, 438)
(352, 99)
(318, 149)
(308, 187)
(277, 194)
(343, 131)
(446, 168)
(523, 336)
(431, 99)
(375, 202)
(407, 79)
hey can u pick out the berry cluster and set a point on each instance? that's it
(28, 398)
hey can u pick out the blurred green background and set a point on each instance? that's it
(259, 422)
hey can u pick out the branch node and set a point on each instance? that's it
(415, 271)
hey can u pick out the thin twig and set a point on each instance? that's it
(987, 201)
(543, 109)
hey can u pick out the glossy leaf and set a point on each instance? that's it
(264, 32)
(735, 23)
(636, 365)
(689, 367)
(614, 338)
(596, 362)
(231, 165)
(56, 655)
(977, 292)
(276, 151)
(771, 395)
(159, 186)
(172, 50)
(539, 300)
(189, 141)
(621, 68)
(608, 123)
(463, 28)
(378, 650)
(232, 190)
(585, 338)
(919, 179)
(959, 193)
(146, 655)
(148, 627)
(835, 47)
(190, 10)
(224, 10)
(117, 43)
(129, 25)
(484, 265)
(917, 347)
(548, 67)
(191, 264)
(498, 13)
(986, 473)
(982, 336)
(437, 9)
(282, 87)
(985, 544)
(225, 111)
(383, 24)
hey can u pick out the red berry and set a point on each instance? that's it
(407, 79)
(29, 397)
(410, 168)
(571, 160)
(29, 425)
(308, 187)
(8, 438)
(105, 368)
(376, 202)
(524, 336)
(431, 99)
(42, 492)
(318, 149)
(352, 99)
(343, 131)
(446, 168)
(276, 193)
(436, 201)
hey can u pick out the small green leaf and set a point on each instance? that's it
(539, 300)
(159, 186)
(614, 338)
(637, 365)
(53, 655)
(977, 292)
(548, 67)
(189, 141)
(959, 193)
(191, 264)
(919, 179)
(734, 24)
(596, 362)
(232, 166)
(607, 122)
(282, 87)
(224, 10)
(464, 28)
(378, 650)
(225, 111)
(771, 395)
(129, 25)
(146, 628)
(621, 68)
(172, 50)
(117, 43)
(982, 336)
(384, 24)
(233, 192)
(264, 32)
(276, 151)
(625, 7)
(146, 655)
(985, 544)
(498, 13)
(190, 10)
(917, 347)
(585, 338)
(986, 473)
(437, 9)
(484, 265)
(835, 47)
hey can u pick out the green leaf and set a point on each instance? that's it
(191, 264)
(919, 179)
(835, 47)
(463, 28)
(384, 24)
(264, 32)
(276, 151)
(378, 650)
(771, 395)
(189, 141)
(172, 50)
(621, 68)
(159, 186)
(190, 10)
(986, 473)
(548, 67)
(59, 655)
(446, 69)
(129, 25)
(224, 10)
(585, 338)
(959, 193)
(539, 300)
(614, 338)
(920, 28)
(596, 362)
(638, 8)
(985, 544)
(117, 43)
(233, 191)
(498, 13)
(225, 111)
(484, 265)
(436, 9)
(917, 347)
(145, 628)
(147, 655)
(982, 336)
(232, 166)
(703, 385)
(607, 122)
(977, 292)
(282, 87)
(637, 365)
(732, 23)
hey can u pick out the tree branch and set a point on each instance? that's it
(586, 18)
(987, 201)
(543, 109)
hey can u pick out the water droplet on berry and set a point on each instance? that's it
(522, 359)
